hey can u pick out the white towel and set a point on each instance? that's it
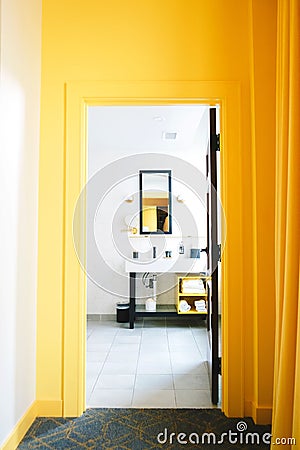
(192, 284)
(183, 302)
(193, 291)
(184, 306)
(181, 309)
(199, 303)
(201, 308)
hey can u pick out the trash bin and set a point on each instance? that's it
(123, 312)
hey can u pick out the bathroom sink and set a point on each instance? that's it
(161, 265)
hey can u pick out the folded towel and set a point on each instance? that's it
(183, 302)
(199, 303)
(201, 308)
(181, 309)
(192, 284)
(184, 306)
(193, 291)
(187, 309)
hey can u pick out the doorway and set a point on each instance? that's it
(164, 361)
(79, 96)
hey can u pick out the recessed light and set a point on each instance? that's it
(158, 118)
(169, 135)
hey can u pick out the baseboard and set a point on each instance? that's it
(21, 428)
(49, 408)
(102, 317)
(39, 408)
(248, 408)
(262, 415)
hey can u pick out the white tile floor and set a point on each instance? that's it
(160, 363)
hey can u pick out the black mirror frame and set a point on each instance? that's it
(169, 172)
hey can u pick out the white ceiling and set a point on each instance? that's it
(140, 128)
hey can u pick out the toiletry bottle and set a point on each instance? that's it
(181, 248)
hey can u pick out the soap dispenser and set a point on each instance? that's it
(181, 248)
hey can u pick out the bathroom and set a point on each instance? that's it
(161, 361)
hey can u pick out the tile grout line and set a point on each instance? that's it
(137, 363)
(198, 346)
(97, 378)
(93, 386)
(202, 356)
(169, 351)
(206, 363)
(173, 381)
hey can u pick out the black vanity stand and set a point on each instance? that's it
(161, 312)
(132, 280)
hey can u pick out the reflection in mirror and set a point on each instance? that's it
(155, 202)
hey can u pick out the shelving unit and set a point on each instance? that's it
(190, 298)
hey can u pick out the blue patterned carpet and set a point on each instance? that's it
(140, 429)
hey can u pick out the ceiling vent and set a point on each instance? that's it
(169, 136)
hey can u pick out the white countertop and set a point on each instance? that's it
(161, 265)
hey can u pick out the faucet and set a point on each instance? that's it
(154, 252)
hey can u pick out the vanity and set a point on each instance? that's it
(184, 268)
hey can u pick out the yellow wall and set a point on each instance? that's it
(263, 132)
(150, 218)
(136, 40)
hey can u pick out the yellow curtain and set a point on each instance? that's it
(286, 404)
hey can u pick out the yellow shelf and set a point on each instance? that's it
(191, 311)
(192, 295)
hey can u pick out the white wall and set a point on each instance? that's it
(119, 177)
(19, 154)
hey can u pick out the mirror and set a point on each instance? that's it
(155, 202)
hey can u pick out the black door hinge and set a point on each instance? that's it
(216, 142)
(217, 252)
(219, 366)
